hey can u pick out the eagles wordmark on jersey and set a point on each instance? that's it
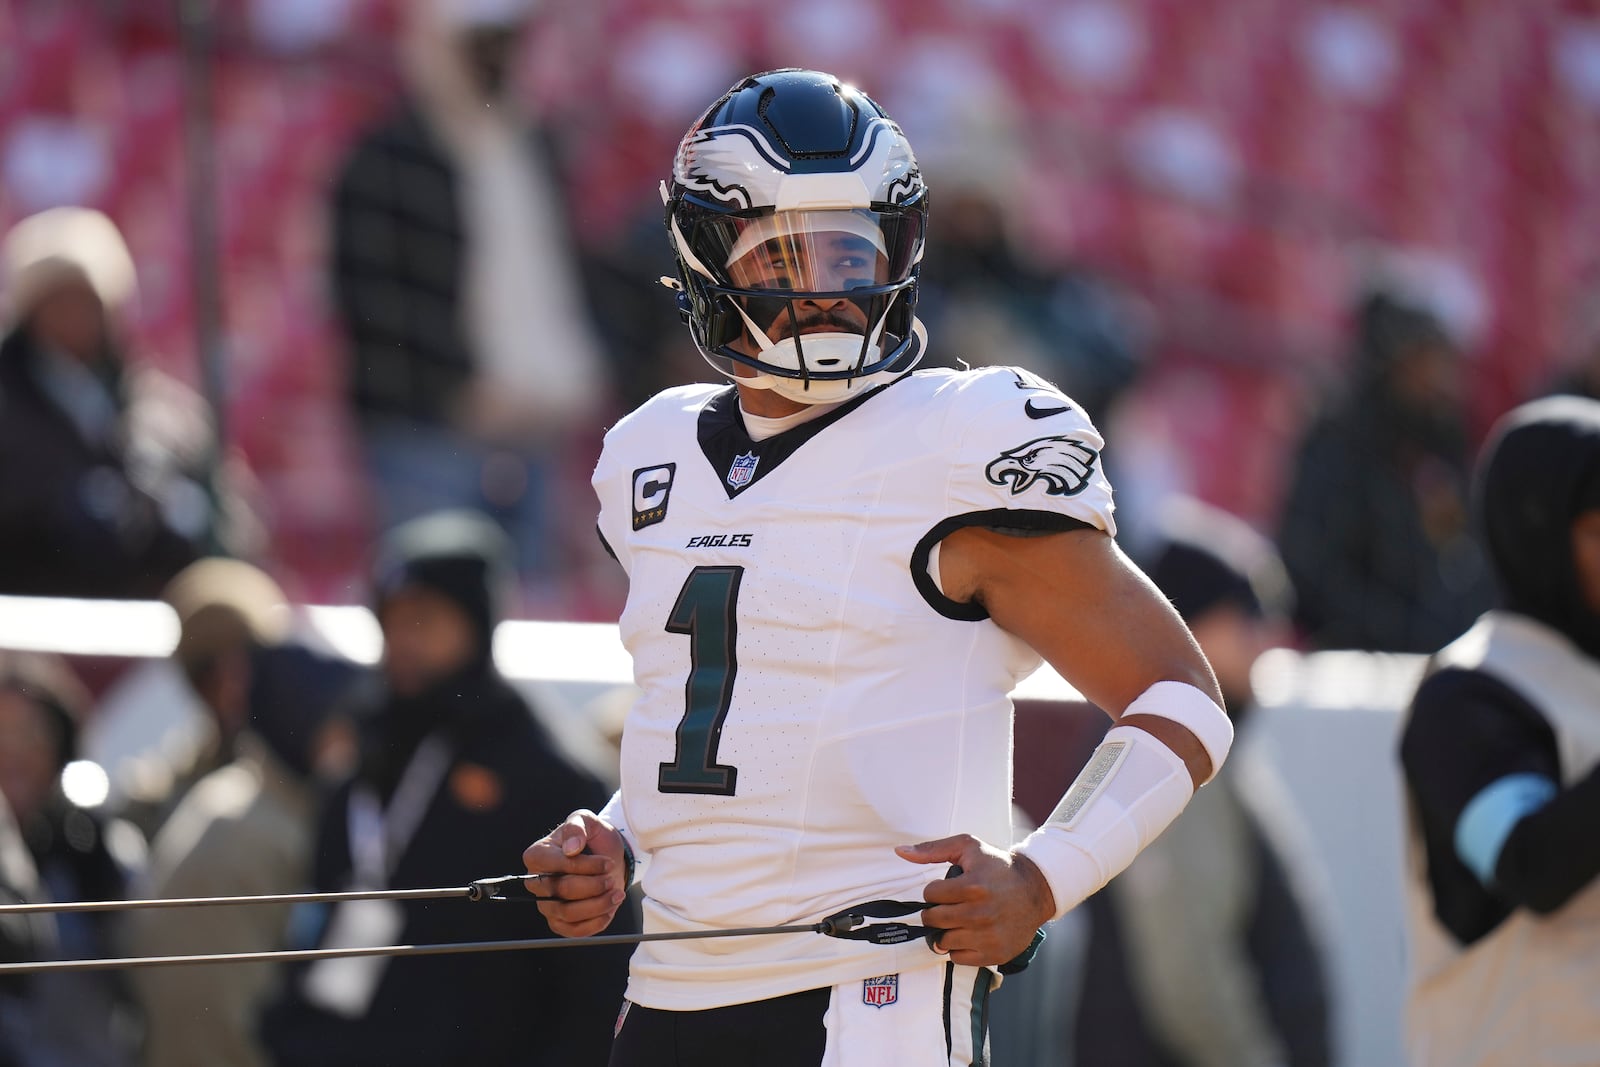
(810, 699)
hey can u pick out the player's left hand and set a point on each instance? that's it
(990, 911)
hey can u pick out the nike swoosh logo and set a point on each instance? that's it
(1035, 410)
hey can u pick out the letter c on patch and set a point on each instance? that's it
(651, 487)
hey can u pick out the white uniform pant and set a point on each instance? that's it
(937, 1016)
(931, 1017)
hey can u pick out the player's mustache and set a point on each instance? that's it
(831, 320)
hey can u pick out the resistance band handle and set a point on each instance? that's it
(851, 923)
(508, 887)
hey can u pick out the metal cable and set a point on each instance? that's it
(482, 889)
(297, 955)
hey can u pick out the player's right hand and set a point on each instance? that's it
(584, 856)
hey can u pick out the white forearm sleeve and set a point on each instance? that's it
(1132, 788)
(612, 813)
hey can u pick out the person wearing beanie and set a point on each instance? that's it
(1501, 759)
(454, 770)
(1208, 951)
(226, 610)
(103, 485)
(244, 829)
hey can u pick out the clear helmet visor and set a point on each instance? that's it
(832, 251)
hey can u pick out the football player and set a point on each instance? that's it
(838, 570)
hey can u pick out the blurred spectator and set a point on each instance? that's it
(639, 317)
(1206, 952)
(244, 830)
(1501, 756)
(102, 462)
(989, 301)
(455, 771)
(23, 938)
(1374, 527)
(1580, 374)
(226, 610)
(472, 353)
(71, 1019)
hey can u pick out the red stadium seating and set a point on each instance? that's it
(1477, 150)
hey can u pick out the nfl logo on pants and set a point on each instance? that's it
(880, 992)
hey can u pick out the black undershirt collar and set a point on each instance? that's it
(741, 462)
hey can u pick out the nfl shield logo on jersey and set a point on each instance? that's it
(743, 469)
(880, 992)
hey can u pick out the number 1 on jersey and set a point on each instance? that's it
(705, 611)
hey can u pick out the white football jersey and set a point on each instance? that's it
(810, 698)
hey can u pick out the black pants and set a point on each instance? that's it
(781, 1032)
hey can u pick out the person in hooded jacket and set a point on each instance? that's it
(103, 458)
(1501, 759)
(1374, 528)
(454, 770)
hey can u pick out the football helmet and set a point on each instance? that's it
(797, 213)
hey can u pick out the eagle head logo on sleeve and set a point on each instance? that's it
(1062, 464)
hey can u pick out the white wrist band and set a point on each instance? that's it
(1130, 790)
(1187, 706)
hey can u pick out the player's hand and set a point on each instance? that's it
(991, 910)
(585, 855)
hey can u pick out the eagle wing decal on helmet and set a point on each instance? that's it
(729, 150)
(886, 155)
(1063, 464)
